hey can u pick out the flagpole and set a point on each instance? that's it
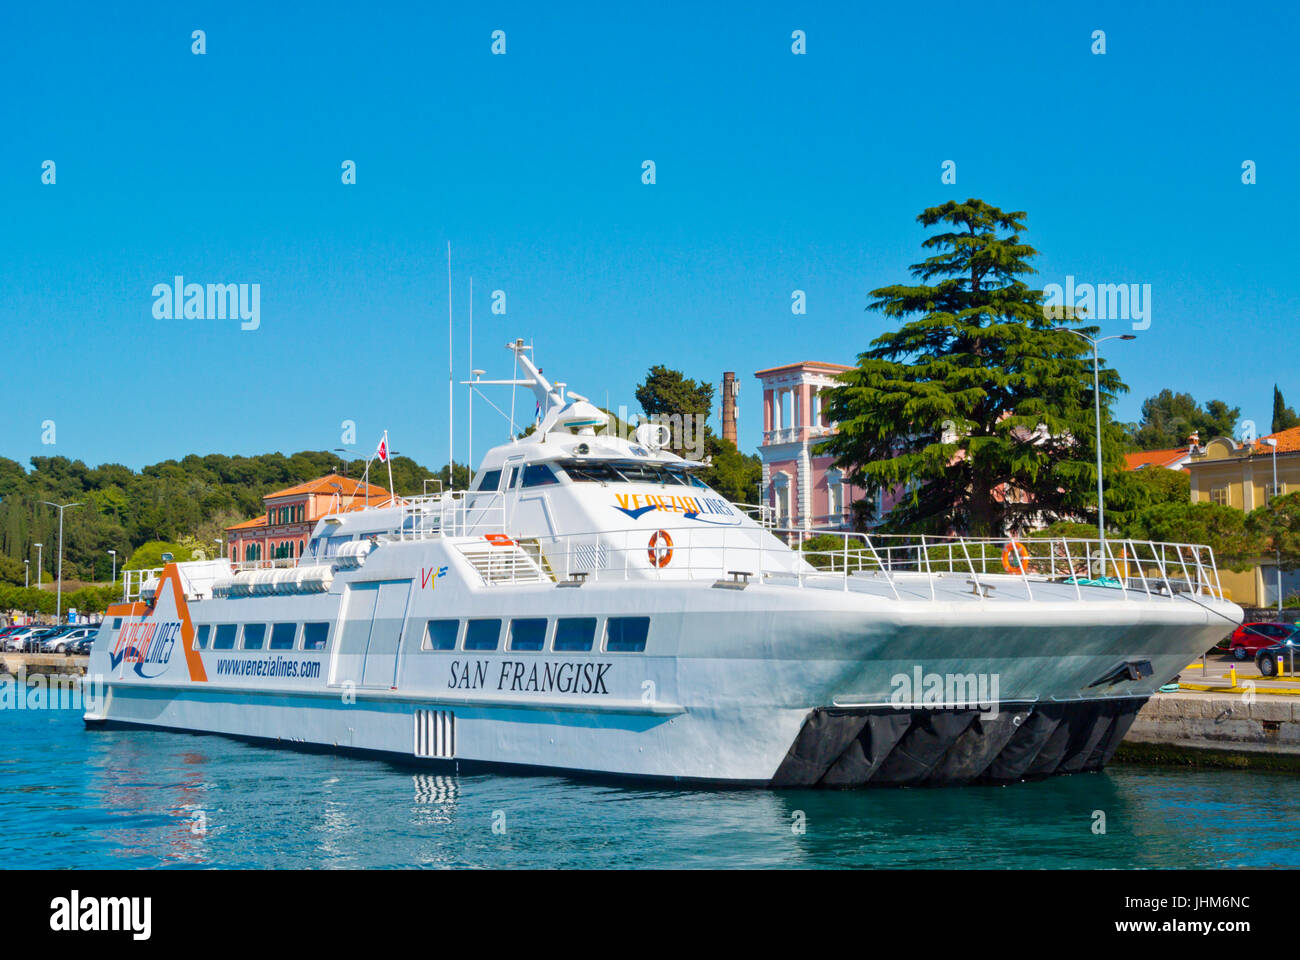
(451, 379)
(469, 457)
(388, 457)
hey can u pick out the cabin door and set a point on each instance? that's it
(386, 626)
(354, 633)
(511, 476)
(373, 617)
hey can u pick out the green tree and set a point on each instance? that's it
(1169, 419)
(149, 555)
(1284, 418)
(12, 571)
(1276, 527)
(686, 406)
(1133, 491)
(978, 394)
(1224, 529)
(666, 391)
(735, 475)
(683, 404)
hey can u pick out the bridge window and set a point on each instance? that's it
(201, 636)
(441, 634)
(527, 634)
(634, 471)
(539, 475)
(482, 634)
(626, 634)
(282, 635)
(225, 638)
(254, 636)
(315, 635)
(574, 633)
(489, 481)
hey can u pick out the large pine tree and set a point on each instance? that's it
(977, 395)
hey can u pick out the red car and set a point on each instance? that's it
(1249, 638)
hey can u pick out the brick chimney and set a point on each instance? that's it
(729, 390)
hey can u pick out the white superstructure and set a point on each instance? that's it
(591, 605)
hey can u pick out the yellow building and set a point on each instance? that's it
(1241, 475)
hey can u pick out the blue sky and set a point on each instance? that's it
(775, 172)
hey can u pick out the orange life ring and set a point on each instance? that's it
(498, 539)
(660, 549)
(1014, 547)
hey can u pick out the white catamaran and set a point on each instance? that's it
(590, 605)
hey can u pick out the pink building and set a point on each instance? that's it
(804, 488)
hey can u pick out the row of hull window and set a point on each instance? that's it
(262, 636)
(529, 634)
(523, 634)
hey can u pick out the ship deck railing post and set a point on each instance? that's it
(888, 573)
(1108, 557)
(970, 565)
(929, 574)
(1162, 564)
(1202, 581)
(1069, 562)
(1218, 584)
(1132, 548)
(1023, 564)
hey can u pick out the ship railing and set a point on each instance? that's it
(1145, 568)
(458, 513)
(907, 567)
(133, 582)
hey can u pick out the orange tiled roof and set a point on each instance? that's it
(1288, 441)
(325, 484)
(258, 521)
(1153, 458)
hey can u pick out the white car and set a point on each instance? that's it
(18, 641)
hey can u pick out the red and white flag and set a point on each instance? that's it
(382, 452)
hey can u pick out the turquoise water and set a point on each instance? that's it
(71, 797)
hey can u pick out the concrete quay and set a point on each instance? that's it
(46, 664)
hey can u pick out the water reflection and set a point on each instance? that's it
(71, 797)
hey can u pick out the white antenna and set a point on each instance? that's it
(469, 458)
(451, 379)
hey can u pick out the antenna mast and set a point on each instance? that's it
(451, 379)
(469, 457)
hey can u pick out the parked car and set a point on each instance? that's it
(1249, 638)
(58, 642)
(24, 639)
(81, 646)
(1287, 652)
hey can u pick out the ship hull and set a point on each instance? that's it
(767, 686)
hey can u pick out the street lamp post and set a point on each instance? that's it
(1096, 395)
(58, 606)
(27, 573)
(1272, 442)
(113, 554)
(38, 564)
